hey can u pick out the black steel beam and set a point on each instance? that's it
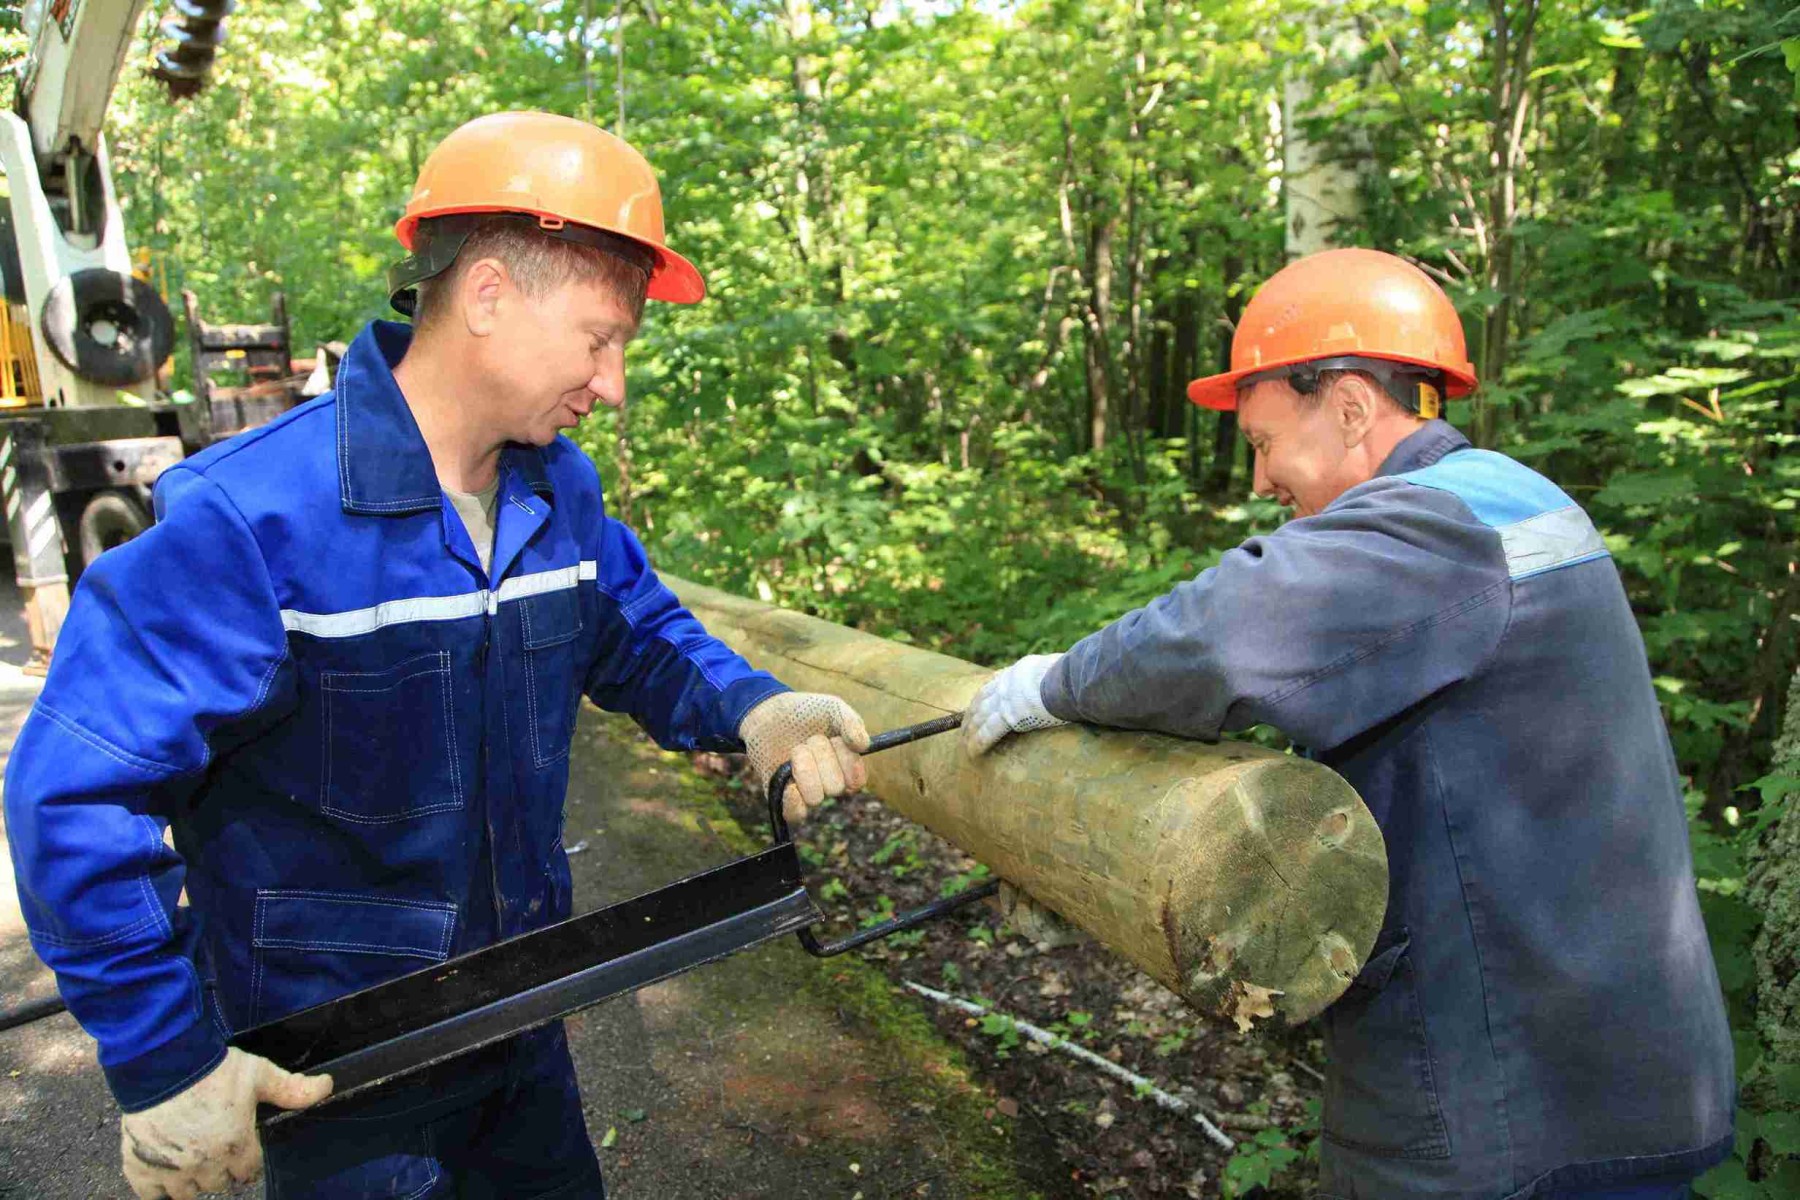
(412, 1022)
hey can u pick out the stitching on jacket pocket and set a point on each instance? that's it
(330, 943)
(547, 621)
(361, 709)
(558, 618)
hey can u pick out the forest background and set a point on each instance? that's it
(964, 257)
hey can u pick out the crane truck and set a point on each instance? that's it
(83, 432)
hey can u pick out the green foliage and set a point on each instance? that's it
(965, 880)
(904, 847)
(1257, 1161)
(1076, 1026)
(1262, 1159)
(1173, 1041)
(963, 258)
(1004, 1030)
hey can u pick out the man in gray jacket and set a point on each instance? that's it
(1540, 1015)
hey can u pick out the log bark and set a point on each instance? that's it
(1250, 883)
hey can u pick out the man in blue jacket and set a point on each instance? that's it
(1540, 1015)
(344, 667)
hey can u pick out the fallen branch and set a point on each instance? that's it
(1043, 1037)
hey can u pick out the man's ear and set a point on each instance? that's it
(484, 287)
(1355, 405)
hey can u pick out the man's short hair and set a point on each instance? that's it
(538, 264)
(1329, 379)
(1396, 384)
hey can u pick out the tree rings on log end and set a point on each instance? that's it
(1282, 898)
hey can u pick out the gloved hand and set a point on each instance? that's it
(1035, 922)
(204, 1139)
(1010, 702)
(821, 735)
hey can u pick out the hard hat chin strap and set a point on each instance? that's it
(438, 240)
(1418, 390)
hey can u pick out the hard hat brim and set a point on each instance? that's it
(673, 280)
(1220, 392)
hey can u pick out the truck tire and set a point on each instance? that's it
(107, 327)
(108, 519)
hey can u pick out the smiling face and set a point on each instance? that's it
(1311, 450)
(551, 359)
(526, 332)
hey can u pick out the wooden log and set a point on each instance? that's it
(1250, 883)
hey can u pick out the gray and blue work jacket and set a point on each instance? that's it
(1540, 1009)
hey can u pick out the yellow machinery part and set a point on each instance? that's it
(19, 386)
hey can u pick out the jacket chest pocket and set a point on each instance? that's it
(549, 638)
(390, 741)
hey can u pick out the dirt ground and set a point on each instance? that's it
(1262, 1089)
(774, 1074)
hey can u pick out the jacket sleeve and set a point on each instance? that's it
(169, 638)
(656, 661)
(1324, 629)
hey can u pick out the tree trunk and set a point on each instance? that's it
(1509, 67)
(1225, 432)
(1774, 888)
(812, 182)
(1319, 190)
(1098, 325)
(1250, 883)
(1136, 424)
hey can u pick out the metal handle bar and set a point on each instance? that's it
(778, 784)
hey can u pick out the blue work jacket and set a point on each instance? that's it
(359, 737)
(1541, 1008)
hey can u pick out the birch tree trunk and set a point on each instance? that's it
(1319, 183)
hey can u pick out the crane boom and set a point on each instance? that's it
(97, 334)
(78, 49)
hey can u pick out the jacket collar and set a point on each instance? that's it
(383, 465)
(1422, 448)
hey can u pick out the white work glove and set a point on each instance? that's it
(204, 1139)
(821, 735)
(1010, 702)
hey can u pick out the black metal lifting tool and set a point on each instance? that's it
(428, 1016)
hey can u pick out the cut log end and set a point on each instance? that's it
(1284, 898)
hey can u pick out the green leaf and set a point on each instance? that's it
(610, 1138)
(1731, 925)
(1728, 1181)
(1784, 1180)
(1775, 787)
(1782, 1131)
(1786, 1080)
(1631, 488)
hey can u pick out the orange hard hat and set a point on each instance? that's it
(568, 174)
(1343, 304)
